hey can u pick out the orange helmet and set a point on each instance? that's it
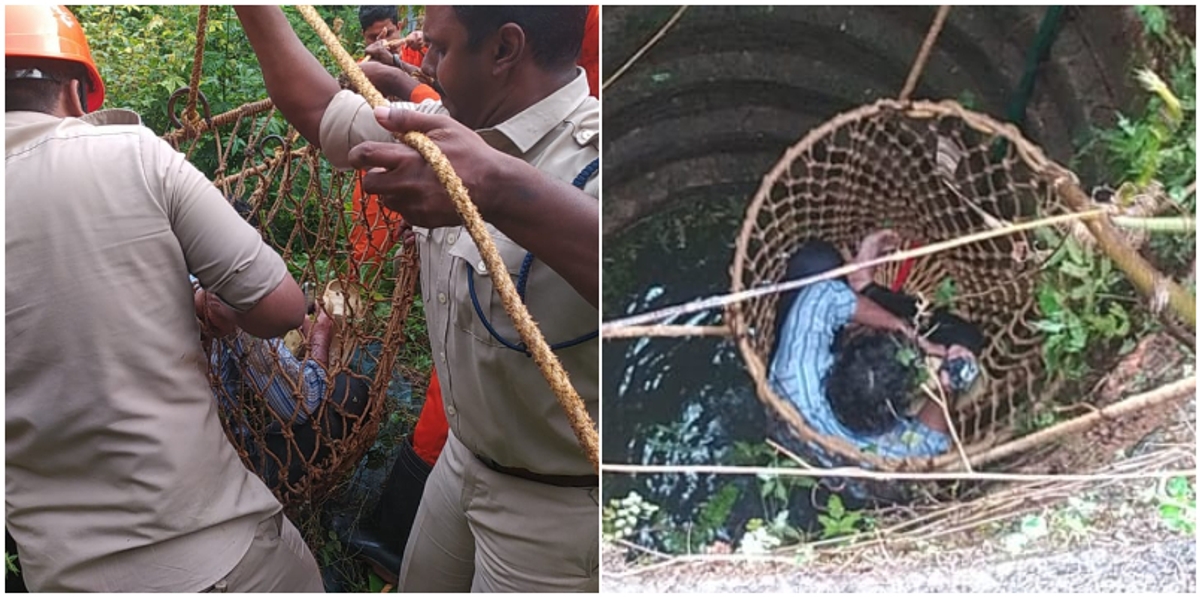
(51, 32)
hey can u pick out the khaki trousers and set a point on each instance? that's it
(278, 561)
(484, 531)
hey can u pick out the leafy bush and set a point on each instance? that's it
(1082, 298)
(1177, 505)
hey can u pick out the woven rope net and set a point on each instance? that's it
(932, 172)
(300, 205)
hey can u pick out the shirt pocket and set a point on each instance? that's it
(477, 304)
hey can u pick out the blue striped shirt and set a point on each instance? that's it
(273, 373)
(805, 357)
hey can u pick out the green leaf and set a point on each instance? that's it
(836, 509)
(1179, 487)
(946, 292)
(1154, 19)
(374, 583)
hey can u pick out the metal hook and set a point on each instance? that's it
(259, 148)
(181, 92)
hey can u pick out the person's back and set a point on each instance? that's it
(118, 474)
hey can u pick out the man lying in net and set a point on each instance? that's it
(850, 360)
(293, 389)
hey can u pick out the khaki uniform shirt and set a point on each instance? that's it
(497, 402)
(118, 474)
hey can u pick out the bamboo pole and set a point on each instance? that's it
(858, 473)
(1159, 289)
(668, 331)
(1172, 391)
(1180, 225)
(547, 362)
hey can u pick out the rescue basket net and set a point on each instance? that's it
(302, 208)
(932, 172)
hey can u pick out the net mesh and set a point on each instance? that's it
(932, 172)
(302, 207)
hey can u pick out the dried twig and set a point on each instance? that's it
(645, 48)
(918, 66)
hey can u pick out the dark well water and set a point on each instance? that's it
(684, 401)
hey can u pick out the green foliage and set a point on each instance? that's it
(762, 537)
(1079, 309)
(1082, 298)
(1157, 144)
(715, 512)
(376, 584)
(840, 522)
(10, 564)
(1177, 504)
(1031, 528)
(416, 352)
(1154, 20)
(946, 293)
(968, 100)
(774, 490)
(331, 550)
(146, 53)
(1036, 419)
(621, 517)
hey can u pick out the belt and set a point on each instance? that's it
(555, 480)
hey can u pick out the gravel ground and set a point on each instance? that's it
(1119, 543)
(1168, 566)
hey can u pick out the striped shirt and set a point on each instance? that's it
(273, 373)
(805, 357)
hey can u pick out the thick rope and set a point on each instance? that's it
(918, 66)
(189, 114)
(189, 133)
(552, 370)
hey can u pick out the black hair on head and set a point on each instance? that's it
(872, 380)
(554, 33)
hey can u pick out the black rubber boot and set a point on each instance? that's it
(381, 540)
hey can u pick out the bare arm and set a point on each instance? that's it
(931, 416)
(279, 311)
(296, 82)
(556, 222)
(867, 312)
(390, 80)
(320, 335)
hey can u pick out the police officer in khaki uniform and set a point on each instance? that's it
(118, 476)
(512, 504)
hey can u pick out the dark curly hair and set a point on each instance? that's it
(872, 380)
(371, 14)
